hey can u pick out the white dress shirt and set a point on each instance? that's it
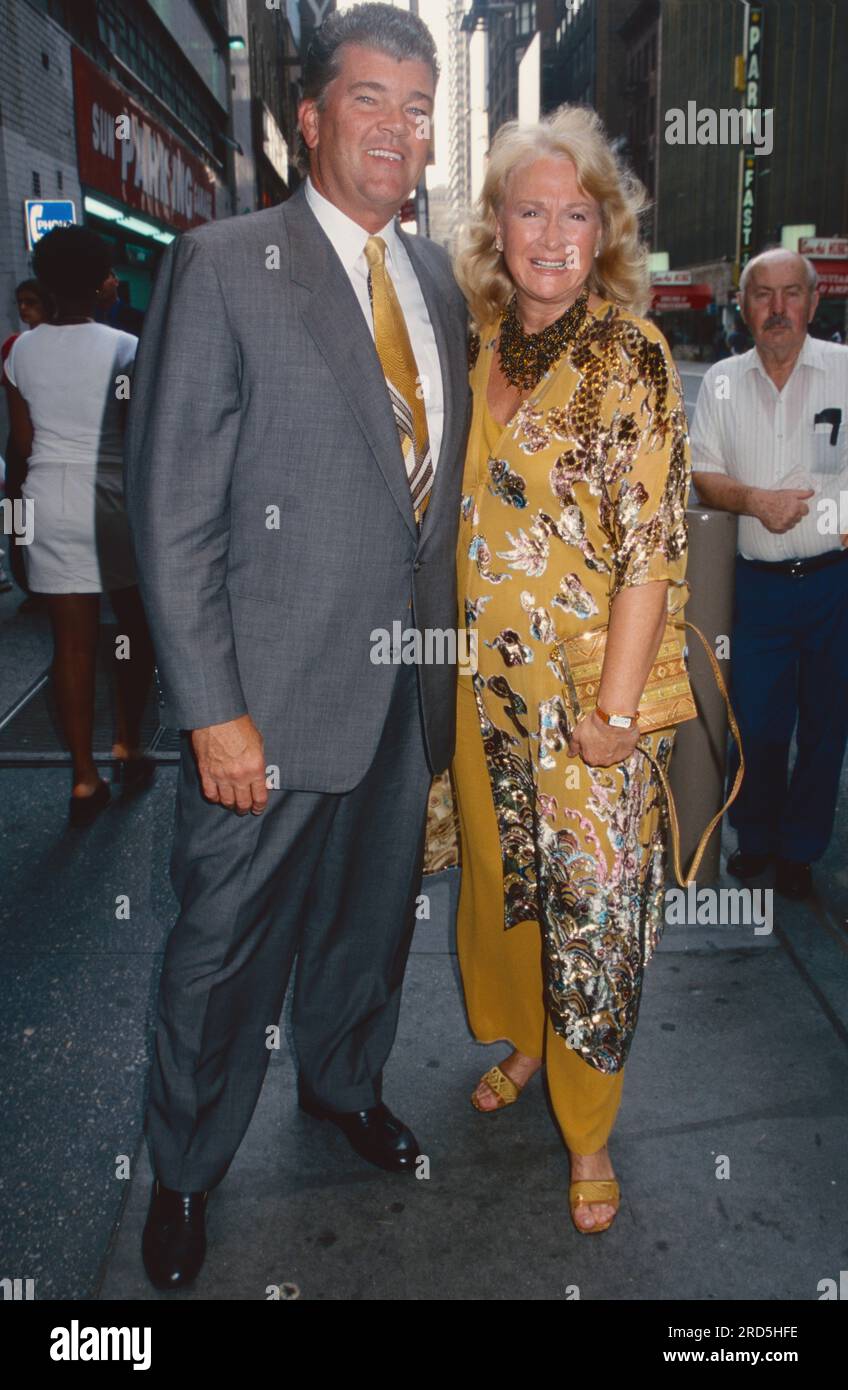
(348, 240)
(761, 437)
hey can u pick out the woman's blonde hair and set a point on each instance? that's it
(619, 272)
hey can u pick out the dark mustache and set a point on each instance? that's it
(777, 321)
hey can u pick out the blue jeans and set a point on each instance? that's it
(789, 663)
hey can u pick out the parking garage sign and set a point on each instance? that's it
(42, 215)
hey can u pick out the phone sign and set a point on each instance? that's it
(41, 216)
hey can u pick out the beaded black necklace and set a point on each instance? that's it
(526, 357)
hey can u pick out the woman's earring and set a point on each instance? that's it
(498, 244)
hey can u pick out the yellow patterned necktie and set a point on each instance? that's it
(397, 359)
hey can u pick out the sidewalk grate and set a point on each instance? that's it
(30, 732)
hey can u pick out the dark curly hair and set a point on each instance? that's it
(72, 262)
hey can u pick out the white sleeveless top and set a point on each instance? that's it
(67, 376)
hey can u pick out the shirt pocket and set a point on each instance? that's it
(826, 458)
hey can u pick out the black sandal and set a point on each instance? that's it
(137, 774)
(83, 809)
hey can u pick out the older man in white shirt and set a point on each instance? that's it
(769, 442)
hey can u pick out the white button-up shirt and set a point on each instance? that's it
(348, 240)
(761, 437)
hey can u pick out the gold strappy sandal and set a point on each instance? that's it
(589, 1190)
(506, 1090)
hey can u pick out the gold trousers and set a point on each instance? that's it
(502, 970)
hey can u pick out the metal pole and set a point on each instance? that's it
(422, 202)
(698, 762)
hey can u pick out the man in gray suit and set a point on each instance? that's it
(288, 500)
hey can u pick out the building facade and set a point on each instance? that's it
(459, 100)
(274, 36)
(468, 119)
(652, 68)
(146, 117)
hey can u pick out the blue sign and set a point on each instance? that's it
(42, 216)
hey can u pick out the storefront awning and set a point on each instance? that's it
(667, 297)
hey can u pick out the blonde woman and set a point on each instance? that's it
(572, 518)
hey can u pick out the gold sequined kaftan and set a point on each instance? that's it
(584, 493)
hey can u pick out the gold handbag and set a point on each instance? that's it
(667, 700)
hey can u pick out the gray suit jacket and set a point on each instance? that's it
(269, 507)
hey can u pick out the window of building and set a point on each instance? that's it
(525, 17)
(136, 46)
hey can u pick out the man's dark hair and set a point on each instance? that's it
(72, 262)
(397, 32)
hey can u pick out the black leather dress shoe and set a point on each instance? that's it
(174, 1242)
(793, 880)
(376, 1134)
(748, 865)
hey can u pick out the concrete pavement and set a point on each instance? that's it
(739, 1067)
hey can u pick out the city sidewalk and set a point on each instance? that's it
(739, 1066)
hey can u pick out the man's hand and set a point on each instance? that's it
(598, 744)
(781, 509)
(231, 763)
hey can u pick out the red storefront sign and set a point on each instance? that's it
(820, 248)
(667, 297)
(135, 159)
(833, 279)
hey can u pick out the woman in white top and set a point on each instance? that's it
(68, 388)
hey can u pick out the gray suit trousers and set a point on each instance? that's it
(329, 878)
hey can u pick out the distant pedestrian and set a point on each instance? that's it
(765, 447)
(738, 342)
(6, 584)
(34, 306)
(115, 307)
(721, 347)
(68, 383)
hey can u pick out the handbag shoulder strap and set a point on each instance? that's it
(734, 791)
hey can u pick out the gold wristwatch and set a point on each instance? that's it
(617, 721)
